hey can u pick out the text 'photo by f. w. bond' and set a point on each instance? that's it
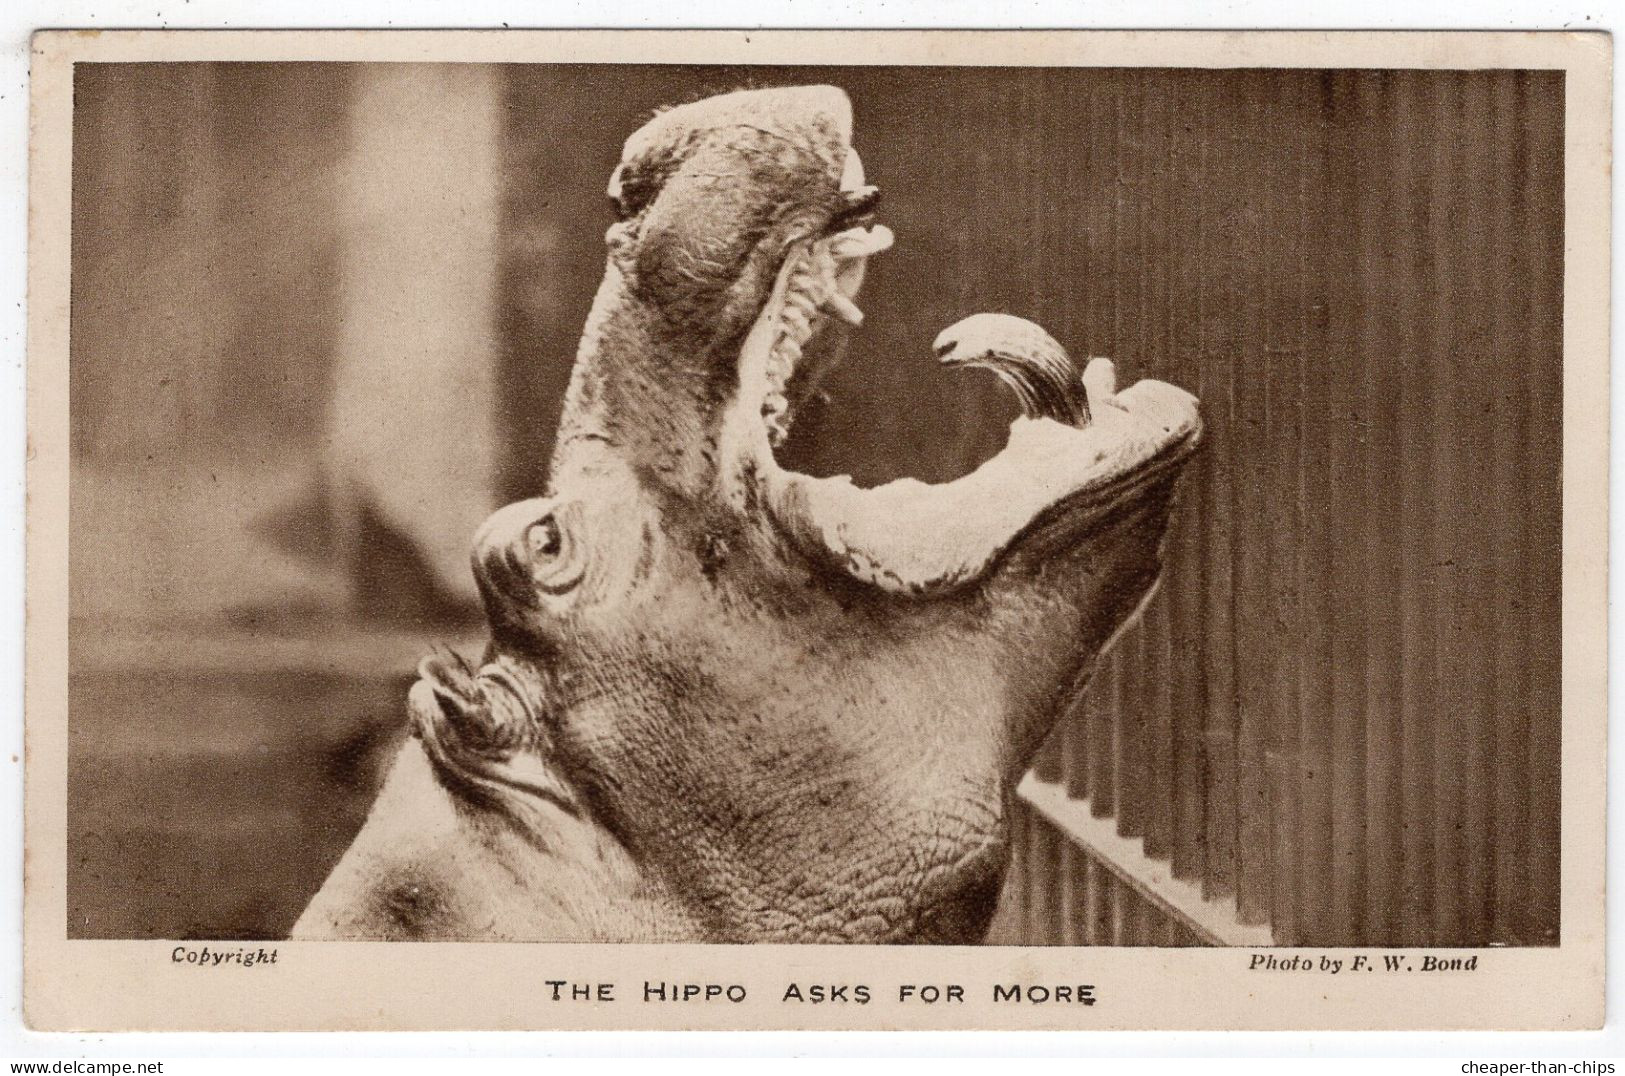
(828, 529)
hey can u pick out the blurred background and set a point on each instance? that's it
(322, 320)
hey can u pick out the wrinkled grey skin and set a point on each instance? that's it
(693, 721)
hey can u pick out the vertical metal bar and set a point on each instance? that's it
(1512, 434)
(1377, 390)
(1126, 273)
(1103, 724)
(1475, 597)
(1284, 519)
(1444, 794)
(1154, 361)
(1249, 455)
(1212, 475)
(1448, 814)
(1070, 129)
(1348, 483)
(1065, 893)
(1074, 746)
(1094, 911)
(1044, 898)
(1035, 921)
(1019, 886)
(1133, 914)
(1048, 764)
(1131, 739)
(1159, 828)
(1118, 912)
(1182, 580)
(1101, 303)
(1027, 97)
(1544, 368)
(1161, 933)
(1324, 224)
(1417, 180)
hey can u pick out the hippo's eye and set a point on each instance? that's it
(544, 538)
(530, 549)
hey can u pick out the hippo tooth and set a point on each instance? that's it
(1100, 382)
(775, 416)
(777, 431)
(843, 308)
(861, 242)
(796, 321)
(786, 354)
(778, 372)
(797, 317)
(1046, 382)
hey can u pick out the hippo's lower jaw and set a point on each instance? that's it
(726, 702)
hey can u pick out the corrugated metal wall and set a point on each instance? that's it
(1343, 708)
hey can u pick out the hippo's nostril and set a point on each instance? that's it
(944, 348)
(448, 672)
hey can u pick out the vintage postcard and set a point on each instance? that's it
(868, 530)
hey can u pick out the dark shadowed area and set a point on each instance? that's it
(323, 314)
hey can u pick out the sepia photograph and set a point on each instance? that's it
(1055, 507)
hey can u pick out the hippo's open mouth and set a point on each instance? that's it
(1078, 446)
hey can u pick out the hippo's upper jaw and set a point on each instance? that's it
(730, 702)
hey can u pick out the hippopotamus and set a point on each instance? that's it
(723, 701)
